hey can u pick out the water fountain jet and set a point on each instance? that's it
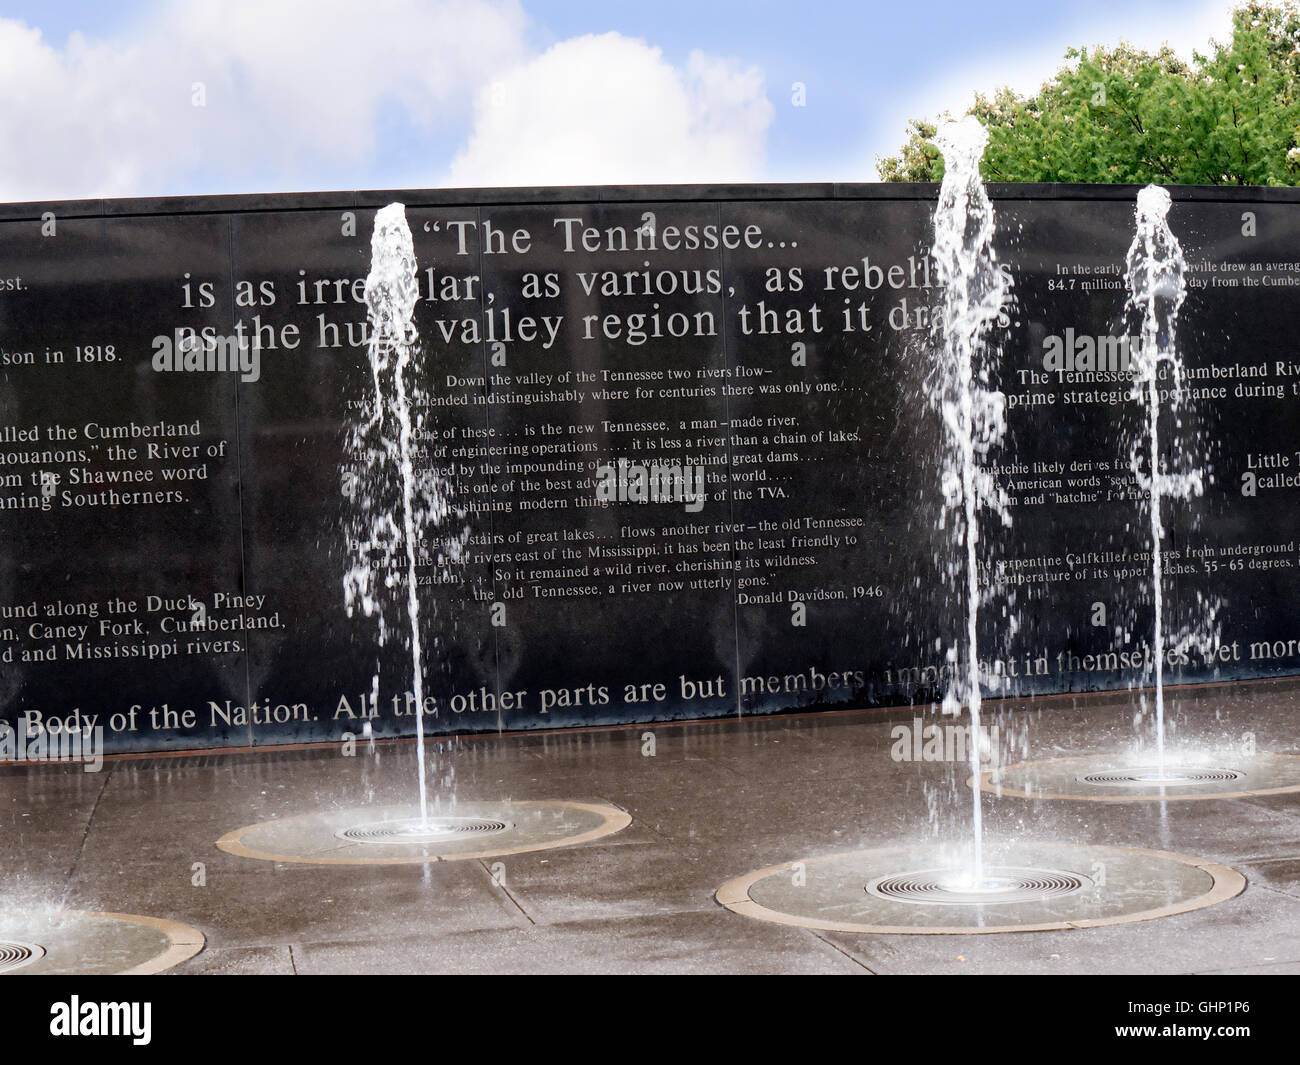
(399, 504)
(1156, 287)
(1030, 885)
(973, 413)
(1155, 272)
(393, 528)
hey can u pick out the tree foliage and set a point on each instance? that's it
(1229, 117)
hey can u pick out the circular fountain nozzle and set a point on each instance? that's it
(929, 890)
(1170, 776)
(418, 830)
(997, 885)
(394, 835)
(1112, 778)
(15, 955)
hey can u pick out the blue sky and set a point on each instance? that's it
(303, 94)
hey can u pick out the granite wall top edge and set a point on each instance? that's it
(611, 194)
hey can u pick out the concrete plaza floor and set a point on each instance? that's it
(714, 801)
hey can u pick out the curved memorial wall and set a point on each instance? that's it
(691, 444)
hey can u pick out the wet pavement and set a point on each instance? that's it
(713, 802)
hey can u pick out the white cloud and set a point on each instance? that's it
(608, 109)
(293, 88)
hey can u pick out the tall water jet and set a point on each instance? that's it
(1154, 275)
(394, 501)
(1167, 460)
(973, 412)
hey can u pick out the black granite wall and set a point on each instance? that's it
(174, 542)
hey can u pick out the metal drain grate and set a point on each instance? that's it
(1000, 886)
(1151, 776)
(413, 830)
(16, 955)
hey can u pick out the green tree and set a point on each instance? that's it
(1230, 117)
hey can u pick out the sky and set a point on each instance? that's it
(184, 97)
